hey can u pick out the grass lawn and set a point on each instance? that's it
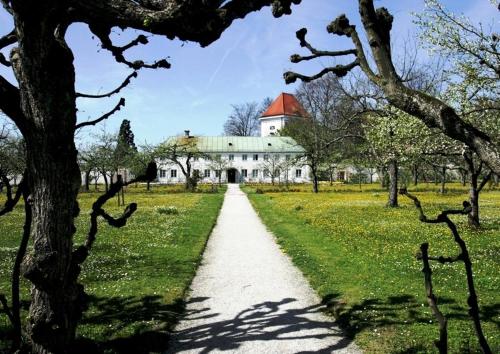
(360, 257)
(136, 276)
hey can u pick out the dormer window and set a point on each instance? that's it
(269, 144)
(230, 144)
(272, 127)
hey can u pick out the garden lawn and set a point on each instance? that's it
(136, 276)
(360, 258)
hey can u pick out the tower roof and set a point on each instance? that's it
(285, 105)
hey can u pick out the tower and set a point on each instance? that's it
(283, 107)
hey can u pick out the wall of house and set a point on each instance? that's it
(240, 164)
(271, 125)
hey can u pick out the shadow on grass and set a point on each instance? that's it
(260, 322)
(277, 321)
(401, 310)
(115, 314)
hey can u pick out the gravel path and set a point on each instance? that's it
(247, 297)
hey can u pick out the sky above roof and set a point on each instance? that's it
(246, 64)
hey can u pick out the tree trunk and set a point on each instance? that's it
(382, 177)
(415, 174)
(48, 105)
(473, 216)
(393, 184)
(442, 190)
(87, 180)
(105, 177)
(315, 180)
(148, 186)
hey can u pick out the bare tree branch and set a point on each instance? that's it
(430, 110)
(202, 23)
(11, 202)
(4, 61)
(82, 252)
(120, 104)
(10, 103)
(103, 34)
(339, 70)
(124, 84)
(6, 308)
(301, 35)
(8, 39)
(442, 343)
(472, 300)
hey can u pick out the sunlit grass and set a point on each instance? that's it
(360, 257)
(136, 276)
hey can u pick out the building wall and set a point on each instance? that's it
(271, 125)
(165, 168)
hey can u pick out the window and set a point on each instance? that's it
(244, 157)
(256, 157)
(255, 173)
(173, 173)
(163, 173)
(196, 173)
(231, 157)
(217, 157)
(266, 157)
(244, 173)
(266, 173)
(272, 127)
(217, 173)
(287, 157)
(298, 173)
(196, 158)
(207, 173)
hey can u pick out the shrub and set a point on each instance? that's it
(259, 191)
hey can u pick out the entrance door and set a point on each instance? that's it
(231, 175)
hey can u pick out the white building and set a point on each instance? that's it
(275, 117)
(246, 159)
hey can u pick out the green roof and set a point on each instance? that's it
(219, 144)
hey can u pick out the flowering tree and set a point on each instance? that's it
(432, 111)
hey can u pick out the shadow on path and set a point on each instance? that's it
(266, 321)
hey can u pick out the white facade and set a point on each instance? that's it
(271, 125)
(241, 167)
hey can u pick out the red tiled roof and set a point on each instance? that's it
(285, 104)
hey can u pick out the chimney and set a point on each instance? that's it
(186, 133)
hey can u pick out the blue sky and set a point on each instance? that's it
(246, 64)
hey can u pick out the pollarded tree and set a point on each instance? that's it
(43, 107)
(432, 111)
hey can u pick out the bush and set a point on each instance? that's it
(259, 191)
(168, 210)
